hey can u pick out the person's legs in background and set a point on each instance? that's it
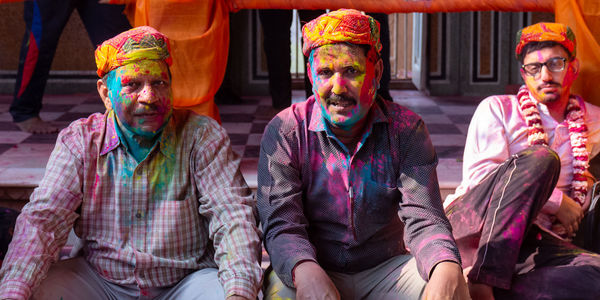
(276, 44)
(384, 32)
(44, 21)
(306, 16)
(102, 21)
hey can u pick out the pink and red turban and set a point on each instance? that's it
(136, 44)
(542, 32)
(341, 26)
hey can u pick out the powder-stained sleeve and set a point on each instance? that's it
(280, 202)
(43, 226)
(227, 203)
(428, 233)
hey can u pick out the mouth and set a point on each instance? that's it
(145, 114)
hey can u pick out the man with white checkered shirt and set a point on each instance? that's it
(155, 195)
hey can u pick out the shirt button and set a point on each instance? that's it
(138, 214)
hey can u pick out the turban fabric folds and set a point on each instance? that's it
(341, 26)
(136, 44)
(542, 32)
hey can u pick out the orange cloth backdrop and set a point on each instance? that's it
(583, 16)
(400, 6)
(199, 31)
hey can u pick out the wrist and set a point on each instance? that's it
(446, 265)
(299, 267)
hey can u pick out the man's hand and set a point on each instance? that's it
(446, 282)
(570, 215)
(312, 282)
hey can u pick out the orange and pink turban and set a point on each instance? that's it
(136, 44)
(542, 32)
(341, 26)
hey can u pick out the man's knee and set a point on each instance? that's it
(70, 279)
(542, 158)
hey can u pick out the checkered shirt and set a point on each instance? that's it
(185, 207)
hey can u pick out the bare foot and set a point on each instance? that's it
(36, 125)
(480, 291)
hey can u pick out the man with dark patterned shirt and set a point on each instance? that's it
(345, 177)
(155, 195)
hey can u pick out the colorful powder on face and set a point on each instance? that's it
(141, 96)
(344, 70)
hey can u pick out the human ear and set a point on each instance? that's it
(309, 72)
(574, 67)
(103, 92)
(378, 69)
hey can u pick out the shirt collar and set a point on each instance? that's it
(111, 139)
(166, 140)
(317, 121)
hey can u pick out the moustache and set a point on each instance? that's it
(549, 84)
(336, 99)
(149, 109)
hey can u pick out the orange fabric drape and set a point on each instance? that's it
(399, 6)
(199, 35)
(583, 16)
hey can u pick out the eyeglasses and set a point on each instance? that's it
(555, 64)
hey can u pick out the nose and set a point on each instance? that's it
(545, 74)
(147, 95)
(339, 84)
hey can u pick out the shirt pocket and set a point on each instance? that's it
(380, 202)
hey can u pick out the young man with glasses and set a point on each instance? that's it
(525, 182)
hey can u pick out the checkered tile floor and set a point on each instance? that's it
(23, 156)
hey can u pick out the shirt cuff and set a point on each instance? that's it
(12, 289)
(241, 287)
(432, 269)
(553, 204)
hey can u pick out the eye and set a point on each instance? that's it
(131, 84)
(532, 69)
(556, 64)
(324, 73)
(351, 71)
(159, 83)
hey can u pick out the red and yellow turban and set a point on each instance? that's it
(136, 44)
(542, 32)
(341, 26)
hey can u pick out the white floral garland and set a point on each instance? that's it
(577, 135)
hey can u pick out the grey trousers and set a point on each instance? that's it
(396, 278)
(76, 279)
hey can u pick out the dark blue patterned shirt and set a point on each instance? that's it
(350, 211)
